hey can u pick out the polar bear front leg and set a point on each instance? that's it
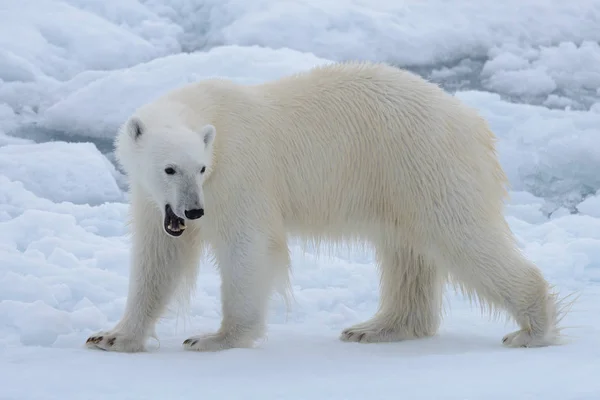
(246, 267)
(159, 264)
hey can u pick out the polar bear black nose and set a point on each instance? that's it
(194, 214)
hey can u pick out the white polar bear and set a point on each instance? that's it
(344, 152)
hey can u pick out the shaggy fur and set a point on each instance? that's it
(345, 153)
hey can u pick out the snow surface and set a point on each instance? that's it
(72, 70)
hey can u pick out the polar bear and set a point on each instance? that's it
(345, 152)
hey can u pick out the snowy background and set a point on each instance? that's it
(72, 70)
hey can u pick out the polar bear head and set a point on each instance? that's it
(170, 162)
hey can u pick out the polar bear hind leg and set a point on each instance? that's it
(486, 265)
(410, 305)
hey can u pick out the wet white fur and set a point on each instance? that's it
(346, 153)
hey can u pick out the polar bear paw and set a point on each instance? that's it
(524, 338)
(115, 341)
(373, 331)
(214, 342)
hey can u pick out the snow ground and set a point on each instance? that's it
(72, 70)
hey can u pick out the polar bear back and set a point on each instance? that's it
(348, 143)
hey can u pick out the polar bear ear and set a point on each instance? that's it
(208, 133)
(135, 129)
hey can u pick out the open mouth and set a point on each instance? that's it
(173, 225)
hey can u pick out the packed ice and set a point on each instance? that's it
(71, 71)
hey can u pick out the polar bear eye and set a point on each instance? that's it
(169, 171)
(202, 170)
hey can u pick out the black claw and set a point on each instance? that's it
(96, 339)
(361, 336)
(190, 342)
(504, 340)
(111, 342)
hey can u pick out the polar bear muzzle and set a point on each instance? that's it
(173, 225)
